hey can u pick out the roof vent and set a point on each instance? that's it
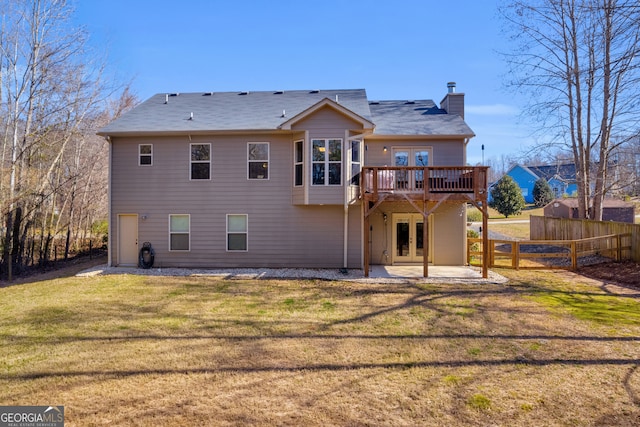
(207, 94)
(284, 113)
(243, 93)
(314, 91)
(278, 92)
(374, 102)
(174, 94)
(409, 102)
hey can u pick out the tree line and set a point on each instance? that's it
(53, 167)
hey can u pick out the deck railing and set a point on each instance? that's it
(424, 179)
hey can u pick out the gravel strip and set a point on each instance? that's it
(354, 275)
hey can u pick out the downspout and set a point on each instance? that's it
(306, 168)
(347, 188)
(109, 217)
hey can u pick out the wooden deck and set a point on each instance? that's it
(431, 183)
(419, 185)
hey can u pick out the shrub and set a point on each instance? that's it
(474, 215)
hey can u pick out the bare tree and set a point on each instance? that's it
(52, 100)
(577, 60)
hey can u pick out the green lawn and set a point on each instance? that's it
(494, 215)
(544, 349)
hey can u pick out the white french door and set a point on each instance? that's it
(408, 238)
(411, 180)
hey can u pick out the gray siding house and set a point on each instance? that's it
(316, 178)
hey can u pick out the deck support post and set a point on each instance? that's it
(365, 234)
(425, 244)
(485, 240)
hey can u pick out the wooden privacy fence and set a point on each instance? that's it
(545, 254)
(547, 228)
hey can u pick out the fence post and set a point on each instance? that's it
(515, 256)
(574, 256)
(492, 249)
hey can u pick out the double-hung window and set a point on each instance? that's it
(145, 155)
(258, 159)
(355, 162)
(326, 161)
(179, 232)
(200, 161)
(298, 164)
(237, 230)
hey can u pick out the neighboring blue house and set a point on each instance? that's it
(561, 179)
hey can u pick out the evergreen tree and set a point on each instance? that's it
(506, 197)
(542, 193)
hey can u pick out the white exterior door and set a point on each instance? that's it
(410, 157)
(408, 238)
(128, 240)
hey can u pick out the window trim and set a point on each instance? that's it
(326, 162)
(191, 161)
(150, 155)
(249, 161)
(182, 232)
(246, 233)
(297, 163)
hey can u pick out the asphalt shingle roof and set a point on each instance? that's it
(565, 171)
(416, 118)
(243, 111)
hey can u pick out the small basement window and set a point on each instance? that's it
(237, 231)
(179, 232)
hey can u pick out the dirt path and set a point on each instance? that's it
(62, 269)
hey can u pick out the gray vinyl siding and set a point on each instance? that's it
(449, 233)
(280, 234)
(445, 152)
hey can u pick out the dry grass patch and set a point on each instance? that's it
(129, 350)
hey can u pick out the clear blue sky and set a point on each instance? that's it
(402, 49)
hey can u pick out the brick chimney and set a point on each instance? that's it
(453, 102)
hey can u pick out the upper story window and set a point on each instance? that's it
(326, 161)
(298, 163)
(200, 161)
(258, 159)
(145, 155)
(355, 162)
